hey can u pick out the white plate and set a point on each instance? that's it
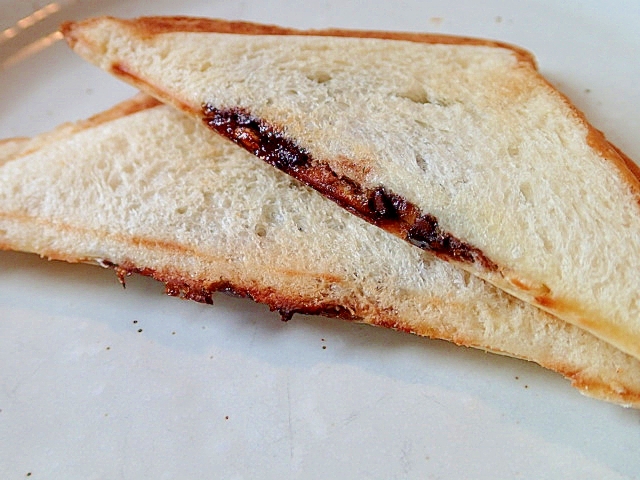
(101, 382)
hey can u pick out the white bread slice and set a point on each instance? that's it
(460, 147)
(154, 192)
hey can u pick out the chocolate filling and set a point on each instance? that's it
(378, 206)
(427, 234)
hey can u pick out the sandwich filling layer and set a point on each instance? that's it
(378, 206)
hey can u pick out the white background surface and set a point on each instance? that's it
(230, 391)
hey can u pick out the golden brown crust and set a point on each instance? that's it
(633, 167)
(139, 102)
(135, 104)
(287, 304)
(628, 169)
(147, 26)
(5, 141)
(178, 284)
(10, 148)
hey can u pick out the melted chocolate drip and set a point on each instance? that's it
(202, 292)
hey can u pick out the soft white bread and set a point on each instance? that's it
(459, 146)
(154, 192)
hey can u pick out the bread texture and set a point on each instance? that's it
(460, 147)
(151, 191)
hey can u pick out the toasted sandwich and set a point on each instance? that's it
(458, 146)
(143, 188)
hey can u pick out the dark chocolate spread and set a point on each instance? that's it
(378, 206)
(427, 234)
(256, 137)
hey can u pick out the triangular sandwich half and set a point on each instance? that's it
(458, 146)
(144, 189)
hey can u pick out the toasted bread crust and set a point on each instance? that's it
(629, 170)
(24, 145)
(148, 26)
(287, 304)
(133, 105)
